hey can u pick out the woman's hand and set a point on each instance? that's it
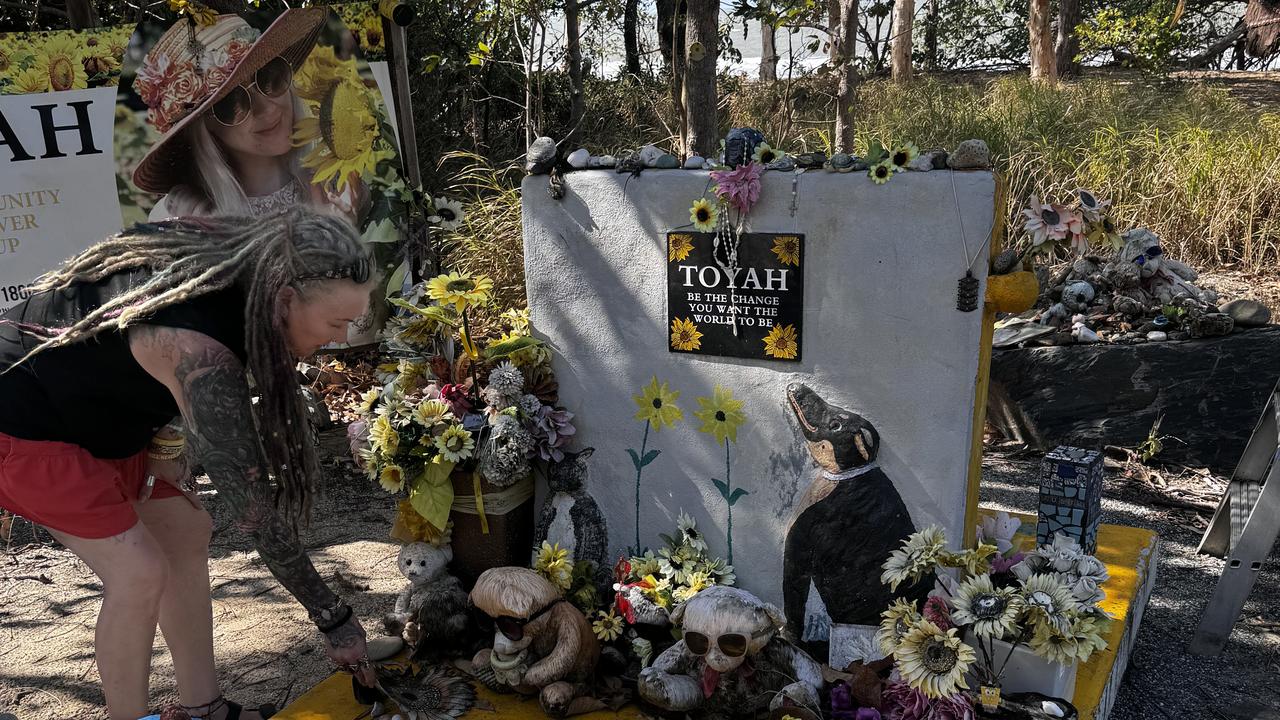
(175, 472)
(345, 646)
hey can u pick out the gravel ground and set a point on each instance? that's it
(1163, 679)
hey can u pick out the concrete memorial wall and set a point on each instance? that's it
(877, 335)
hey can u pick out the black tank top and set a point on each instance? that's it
(93, 393)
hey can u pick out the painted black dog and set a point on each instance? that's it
(846, 525)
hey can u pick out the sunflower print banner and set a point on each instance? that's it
(42, 62)
(752, 310)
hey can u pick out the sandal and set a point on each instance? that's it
(182, 712)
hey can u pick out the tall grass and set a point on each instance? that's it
(1185, 159)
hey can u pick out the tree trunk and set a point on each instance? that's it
(573, 46)
(1042, 58)
(82, 14)
(905, 11)
(631, 36)
(671, 32)
(846, 46)
(833, 29)
(1068, 44)
(702, 38)
(931, 35)
(768, 52)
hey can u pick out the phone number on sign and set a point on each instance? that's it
(15, 293)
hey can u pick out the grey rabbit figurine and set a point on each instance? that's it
(570, 516)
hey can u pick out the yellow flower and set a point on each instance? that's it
(392, 478)
(679, 245)
(460, 289)
(765, 154)
(322, 69)
(430, 413)
(383, 436)
(455, 444)
(368, 400)
(203, 14)
(370, 32)
(608, 625)
(787, 248)
(903, 154)
(704, 215)
(881, 172)
(781, 342)
(685, 335)
(554, 564)
(721, 415)
(518, 319)
(658, 405)
(932, 661)
(30, 80)
(895, 625)
(345, 132)
(991, 612)
(59, 61)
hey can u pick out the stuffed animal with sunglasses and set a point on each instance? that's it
(431, 613)
(1142, 272)
(732, 661)
(542, 644)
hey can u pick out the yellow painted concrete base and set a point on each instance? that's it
(1129, 553)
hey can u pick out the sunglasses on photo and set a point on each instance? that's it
(272, 80)
(1151, 254)
(512, 628)
(733, 645)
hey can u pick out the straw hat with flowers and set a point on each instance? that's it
(192, 66)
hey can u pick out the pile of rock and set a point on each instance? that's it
(1136, 296)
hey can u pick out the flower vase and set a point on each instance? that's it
(1028, 672)
(495, 531)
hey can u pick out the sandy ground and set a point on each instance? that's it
(267, 652)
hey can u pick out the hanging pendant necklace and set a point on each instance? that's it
(968, 287)
(726, 242)
(795, 186)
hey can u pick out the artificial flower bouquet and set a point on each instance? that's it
(448, 401)
(1047, 600)
(1083, 223)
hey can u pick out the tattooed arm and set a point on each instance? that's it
(208, 382)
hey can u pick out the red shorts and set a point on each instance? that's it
(63, 487)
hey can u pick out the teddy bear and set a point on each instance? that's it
(731, 662)
(431, 612)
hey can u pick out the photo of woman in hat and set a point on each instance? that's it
(222, 97)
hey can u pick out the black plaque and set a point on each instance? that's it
(767, 296)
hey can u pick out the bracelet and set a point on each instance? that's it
(164, 454)
(343, 616)
(178, 442)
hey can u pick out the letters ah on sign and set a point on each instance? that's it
(764, 298)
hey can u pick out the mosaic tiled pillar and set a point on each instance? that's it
(1070, 496)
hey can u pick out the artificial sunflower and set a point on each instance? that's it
(787, 248)
(448, 213)
(765, 154)
(782, 343)
(396, 410)
(975, 561)
(657, 405)
(896, 622)
(460, 289)
(685, 335)
(932, 661)
(721, 415)
(992, 612)
(881, 172)
(608, 626)
(392, 478)
(916, 557)
(1075, 645)
(679, 245)
(902, 155)
(60, 62)
(431, 413)
(435, 693)
(704, 215)
(455, 444)
(383, 436)
(689, 533)
(1048, 601)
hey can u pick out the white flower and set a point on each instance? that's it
(1091, 567)
(999, 530)
(530, 405)
(448, 214)
(1063, 554)
(1086, 592)
(507, 379)
(690, 533)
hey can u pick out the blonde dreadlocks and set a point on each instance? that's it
(190, 257)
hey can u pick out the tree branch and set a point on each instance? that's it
(27, 7)
(1215, 50)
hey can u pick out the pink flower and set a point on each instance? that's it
(358, 439)
(937, 612)
(900, 701)
(955, 707)
(1001, 564)
(457, 397)
(740, 187)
